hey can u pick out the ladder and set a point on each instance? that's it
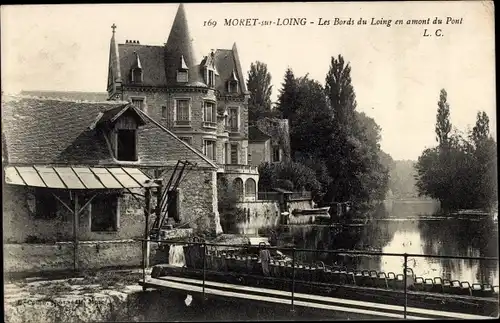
(165, 196)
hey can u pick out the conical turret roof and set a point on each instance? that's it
(179, 51)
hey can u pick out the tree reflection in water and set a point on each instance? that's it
(403, 231)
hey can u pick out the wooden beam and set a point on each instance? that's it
(145, 243)
(87, 203)
(75, 233)
(134, 195)
(63, 203)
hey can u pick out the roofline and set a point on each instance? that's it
(210, 162)
(45, 98)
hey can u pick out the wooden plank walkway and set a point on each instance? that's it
(305, 300)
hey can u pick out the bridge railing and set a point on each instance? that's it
(294, 265)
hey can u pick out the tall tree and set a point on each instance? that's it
(481, 130)
(485, 161)
(461, 171)
(353, 153)
(288, 97)
(259, 85)
(443, 124)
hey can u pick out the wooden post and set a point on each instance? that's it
(75, 233)
(147, 210)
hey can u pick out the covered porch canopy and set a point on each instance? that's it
(78, 179)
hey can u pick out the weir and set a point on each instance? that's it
(234, 271)
(176, 255)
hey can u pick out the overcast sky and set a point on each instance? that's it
(397, 73)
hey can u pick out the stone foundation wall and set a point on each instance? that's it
(30, 258)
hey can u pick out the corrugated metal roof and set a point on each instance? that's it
(76, 177)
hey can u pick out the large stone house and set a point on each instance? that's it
(203, 101)
(72, 172)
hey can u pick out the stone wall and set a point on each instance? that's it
(23, 224)
(198, 200)
(260, 152)
(45, 257)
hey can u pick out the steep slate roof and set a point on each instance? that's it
(49, 131)
(152, 63)
(160, 63)
(256, 135)
(180, 45)
(69, 95)
(226, 63)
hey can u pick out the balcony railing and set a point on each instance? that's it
(305, 195)
(182, 123)
(235, 168)
(275, 196)
(209, 124)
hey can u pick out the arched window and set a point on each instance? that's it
(250, 188)
(238, 187)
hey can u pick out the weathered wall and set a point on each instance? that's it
(198, 200)
(260, 152)
(22, 225)
(19, 223)
(36, 257)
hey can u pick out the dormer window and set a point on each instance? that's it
(182, 76)
(120, 127)
(126, 143)
(136, 70)
(211, 78)
(137, 75)
(232, 86)
(182, 72)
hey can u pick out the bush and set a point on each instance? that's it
(288, 175)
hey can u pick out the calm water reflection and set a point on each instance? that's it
(406, 227)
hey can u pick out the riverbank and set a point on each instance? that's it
(94, 297)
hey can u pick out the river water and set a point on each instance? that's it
(399, 227)
(395, 227)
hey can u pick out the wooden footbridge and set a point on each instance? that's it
(332, 305)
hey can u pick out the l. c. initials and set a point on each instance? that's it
(437, 33)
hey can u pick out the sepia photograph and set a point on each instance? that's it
(192, 162)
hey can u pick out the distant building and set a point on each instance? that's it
(269, 141)
(69, 95)
(203, 101)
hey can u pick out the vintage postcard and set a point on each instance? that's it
(249, 161)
